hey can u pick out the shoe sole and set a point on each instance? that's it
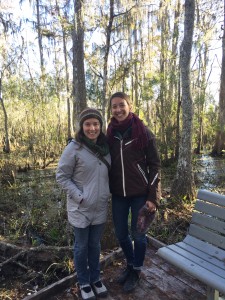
(102, 295)
(90, 298)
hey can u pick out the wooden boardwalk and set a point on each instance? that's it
(159, 281)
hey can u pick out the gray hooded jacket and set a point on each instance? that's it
(84, 178)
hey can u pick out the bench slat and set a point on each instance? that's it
(211, 197)
(199, 272)
(210, 266)
(207, 236)
(207, 248)
(208, 222)
(202, 252)
(210, 209)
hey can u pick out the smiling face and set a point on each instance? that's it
(120, 108)
(92, 129)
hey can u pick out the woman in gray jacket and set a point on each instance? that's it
(83, 174)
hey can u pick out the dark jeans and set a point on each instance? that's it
(121, 206)
(87, 253)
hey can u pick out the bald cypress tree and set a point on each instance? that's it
(183, 185)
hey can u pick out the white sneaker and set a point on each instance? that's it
(99, 289)
(86, 292)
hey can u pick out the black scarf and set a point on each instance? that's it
(96, 148)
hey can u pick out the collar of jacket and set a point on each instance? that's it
(126, 134)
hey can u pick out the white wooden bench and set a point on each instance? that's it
(202, 253)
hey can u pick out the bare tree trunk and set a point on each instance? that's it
(69, 125)
(6, 147)
(174, 92)
(177, 139)
(163, 97)
(40, 37)
(201, 97)
(200, 87)
(105, 66)
(79, 85)
(183, 185)
(220, 135)
(136, 100)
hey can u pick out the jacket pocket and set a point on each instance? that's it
(142, 173)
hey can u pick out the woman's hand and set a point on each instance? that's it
(151, 206)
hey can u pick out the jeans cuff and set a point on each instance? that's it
(137, 268)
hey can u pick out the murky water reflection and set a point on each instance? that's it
(210, 172)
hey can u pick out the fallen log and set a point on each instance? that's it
(11, 251)
(14, 258)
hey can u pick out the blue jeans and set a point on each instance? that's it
(121, 206)
(87, 250)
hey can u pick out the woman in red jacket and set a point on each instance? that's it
(134, 182)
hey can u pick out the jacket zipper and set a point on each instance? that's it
(143, 173)
(122, 165)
